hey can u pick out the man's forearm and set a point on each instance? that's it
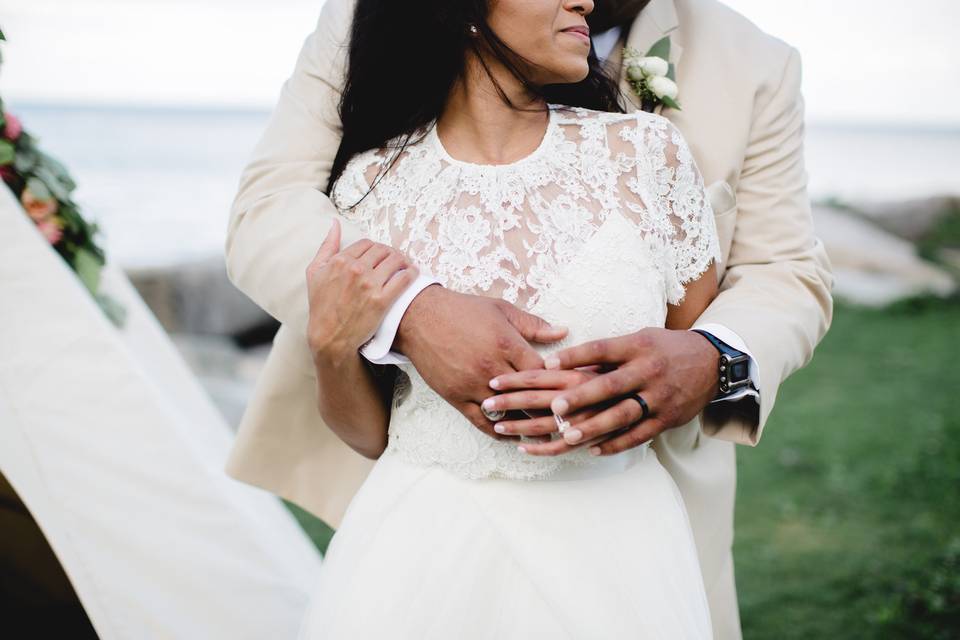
(281, 214)
(781, 337)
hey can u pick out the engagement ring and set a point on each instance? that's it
(493, 416)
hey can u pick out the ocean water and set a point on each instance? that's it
(160, 181)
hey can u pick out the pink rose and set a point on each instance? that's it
(13, 128)
(52, 230)
(38, 209)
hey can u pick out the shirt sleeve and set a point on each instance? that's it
(377, 349)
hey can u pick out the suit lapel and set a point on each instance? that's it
(657, 20)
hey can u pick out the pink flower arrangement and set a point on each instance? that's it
(52, 229)
(44, 188)
(13, 128)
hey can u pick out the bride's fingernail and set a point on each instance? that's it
(522, 449)
(494, 384)
(499, 428)
(594, 451)
(559, 405)
(489, 404)
(572, 436)
(551, 362)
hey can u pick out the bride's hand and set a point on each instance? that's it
(350, 291)
(532, 391)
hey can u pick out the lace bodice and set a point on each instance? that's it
(598, 230)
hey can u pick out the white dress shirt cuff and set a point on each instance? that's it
(724, 334)
(377, 349)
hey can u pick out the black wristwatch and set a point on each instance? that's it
(734, 365)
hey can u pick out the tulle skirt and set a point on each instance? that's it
(423, 553)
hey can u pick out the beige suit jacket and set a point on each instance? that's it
(743, 118)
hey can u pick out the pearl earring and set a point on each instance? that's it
(473, 30)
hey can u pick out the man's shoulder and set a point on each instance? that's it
(729, 36)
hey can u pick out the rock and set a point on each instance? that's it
(872, 266)
(910, 219)
(198, 298)
(950, 257)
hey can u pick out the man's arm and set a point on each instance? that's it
(775, 294)
(281, 214)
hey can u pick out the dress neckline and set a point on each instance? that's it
(548, 135)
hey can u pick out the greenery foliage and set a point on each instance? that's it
(847, 510)
(45, 188)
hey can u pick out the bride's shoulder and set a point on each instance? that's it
(615, 122)
(354, 183)
(633, 131)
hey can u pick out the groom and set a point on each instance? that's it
(742, 115)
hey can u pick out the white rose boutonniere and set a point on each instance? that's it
(651, 76)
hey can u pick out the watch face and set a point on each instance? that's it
(739, 371)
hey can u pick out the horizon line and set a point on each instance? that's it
(266, 109)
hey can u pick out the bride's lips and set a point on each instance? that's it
(580, 31)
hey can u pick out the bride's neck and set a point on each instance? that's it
(477, 125)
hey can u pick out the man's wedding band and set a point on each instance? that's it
(643, 406)
(494, 416)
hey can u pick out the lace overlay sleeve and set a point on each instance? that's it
(666, 180)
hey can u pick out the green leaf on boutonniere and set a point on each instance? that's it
(88, 267)
(670, 102)
(7, 152)
(672, 72)
(2, 37)
(660, 49)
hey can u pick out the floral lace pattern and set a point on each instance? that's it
(598, 229)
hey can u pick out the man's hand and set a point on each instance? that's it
(675, 371)
(459, 342)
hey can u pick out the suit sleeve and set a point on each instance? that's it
(776, 290)
(280, 214)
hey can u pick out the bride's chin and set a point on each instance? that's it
(571, 74)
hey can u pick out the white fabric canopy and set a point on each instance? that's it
(114, 447)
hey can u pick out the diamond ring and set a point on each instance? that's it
(493, 416)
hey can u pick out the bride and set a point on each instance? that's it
(508, 169)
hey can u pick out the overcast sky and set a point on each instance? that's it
(873, 61)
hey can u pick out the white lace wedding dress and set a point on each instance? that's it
(455, 535)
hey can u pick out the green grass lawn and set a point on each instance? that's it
(848, 511)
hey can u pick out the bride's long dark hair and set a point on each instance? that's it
(404, 59)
